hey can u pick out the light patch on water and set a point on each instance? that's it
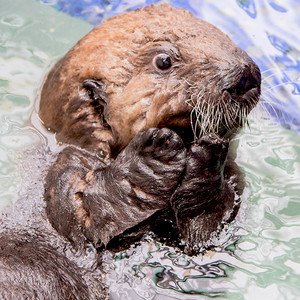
(284, 234)
(12, 20)
(255, 292)
(21, 74)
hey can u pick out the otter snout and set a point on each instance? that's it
(248, 79)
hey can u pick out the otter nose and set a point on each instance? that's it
(248, 79)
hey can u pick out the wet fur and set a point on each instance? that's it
(145, 154)
(32, 269)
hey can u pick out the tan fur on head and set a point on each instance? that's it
(119, 53)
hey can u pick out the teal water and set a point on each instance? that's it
(32, 37)
(259, 255)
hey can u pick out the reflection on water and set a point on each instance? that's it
(259, 256)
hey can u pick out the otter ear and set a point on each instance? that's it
(96, 89)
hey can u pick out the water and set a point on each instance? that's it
(260, 256)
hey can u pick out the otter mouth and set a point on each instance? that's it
(221, 105)
(246, 99)
(188, 137)
(187, 133)
(225, 118)
(239, 93)
(222, 114)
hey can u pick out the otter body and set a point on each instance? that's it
(147, 102)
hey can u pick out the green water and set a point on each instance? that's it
(261, 260)
(270, 157)
(32, 37)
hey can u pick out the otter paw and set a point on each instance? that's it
(155, 161)
(214, 145)
(210, 150)
(160, 144)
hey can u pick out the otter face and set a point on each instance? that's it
(154, 67)
(195, 93)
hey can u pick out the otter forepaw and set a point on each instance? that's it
(214, 146)
(207, 154)
(161, 144)
(155, 160)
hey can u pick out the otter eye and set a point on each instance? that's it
(162, 61)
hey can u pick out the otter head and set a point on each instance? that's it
(154, 67)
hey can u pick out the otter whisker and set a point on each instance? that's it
(194, 126)
(206, 121)
(201, 110)
(265, 78)
(226, 115)
(244, 115)
(211, 118)
(271, 107)
(274, 69)
(278, 85)
(219, 118)
(213, 113)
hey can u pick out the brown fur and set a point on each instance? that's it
(107, 93)
(108, 89)
(135, 96)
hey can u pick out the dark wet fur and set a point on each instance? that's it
(32, 269)
(154, 185)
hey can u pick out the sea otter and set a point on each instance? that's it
(145, 105)
(149, 99)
